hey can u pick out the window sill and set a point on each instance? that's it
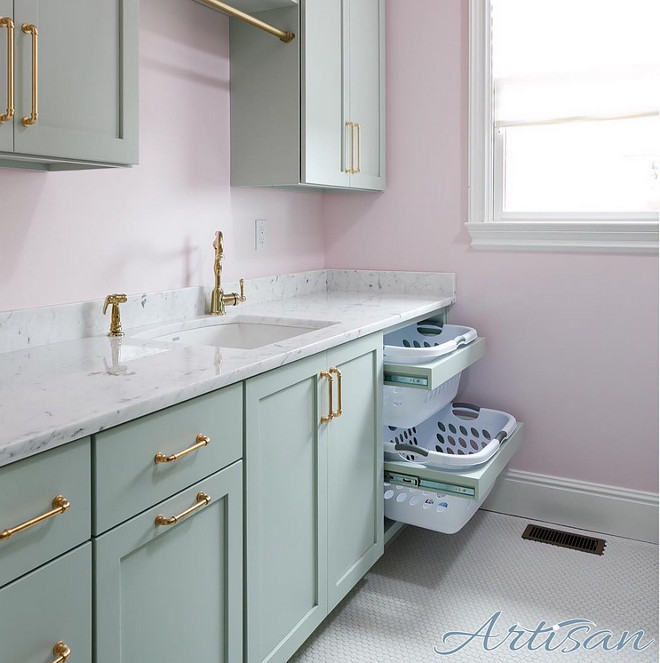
(594, 237)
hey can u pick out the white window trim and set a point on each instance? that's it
(605, 233)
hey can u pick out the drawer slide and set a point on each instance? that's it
(432, 375)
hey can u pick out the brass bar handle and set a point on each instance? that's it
(327, 418)
(8, 115)
(358, 128)
(202, 500)
(201, 441)
(62, 651)
(60, 505)
(351, 169)
(337, 372)
(30, 29)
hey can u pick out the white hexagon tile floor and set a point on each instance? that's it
(428, 584)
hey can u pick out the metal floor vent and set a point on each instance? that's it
(556, 537)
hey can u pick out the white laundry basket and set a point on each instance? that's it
(424, 342)
(429, 509)
(458, 437)
(405, 406)
(417, 344)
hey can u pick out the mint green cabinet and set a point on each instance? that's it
(45, 607)
(56, 482)
(171, 593)
(127, 478)
(310, 113)
(364, 89)
(86, 83)
(355, 468)
(308, 539)
(286, 522)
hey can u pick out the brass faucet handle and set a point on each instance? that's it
(115, 322)
(241, 297)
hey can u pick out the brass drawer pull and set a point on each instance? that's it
(202, 441)
(9, 24)
(30, 29)
(60, 505)
(62, 651)
(337, 372)
(202, 500)
(326, 418)
(351, 168)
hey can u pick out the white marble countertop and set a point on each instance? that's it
(57, 393)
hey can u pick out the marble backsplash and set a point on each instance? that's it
(24, 328)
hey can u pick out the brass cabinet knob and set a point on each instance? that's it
(115, 322)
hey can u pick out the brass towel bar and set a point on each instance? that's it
(284, 36)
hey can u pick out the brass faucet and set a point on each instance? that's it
(115, 322)
(219, 300)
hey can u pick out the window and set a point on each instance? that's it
(564, 124)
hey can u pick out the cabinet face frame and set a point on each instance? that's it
(139, 535)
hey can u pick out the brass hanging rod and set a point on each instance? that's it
(284, 36)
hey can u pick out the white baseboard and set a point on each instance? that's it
(591, 506)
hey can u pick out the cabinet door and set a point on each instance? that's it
(365, 82)
(323, 114)
(174, 592)
(50, 605)
(286, 485)
(355, 467)
(87, 79)
(6, 128)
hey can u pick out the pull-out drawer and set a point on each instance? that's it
(145, 461)
(474, 484)
(49, 611)
(44, 508)
(432, 375)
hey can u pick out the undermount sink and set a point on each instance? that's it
(240, 332)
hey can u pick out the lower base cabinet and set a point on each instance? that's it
(173, 592)
(49, 606)
(314, 508)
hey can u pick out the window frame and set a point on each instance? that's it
(488, 228)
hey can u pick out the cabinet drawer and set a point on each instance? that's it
(127, 477)
(50, 605)
(430, 376)
(28, 489)
(474, 483)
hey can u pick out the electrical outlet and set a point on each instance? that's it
(260, 234)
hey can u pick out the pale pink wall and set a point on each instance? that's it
(572, 339)
(71, 236)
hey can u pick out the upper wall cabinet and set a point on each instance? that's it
(69, 70)
(312, 112)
